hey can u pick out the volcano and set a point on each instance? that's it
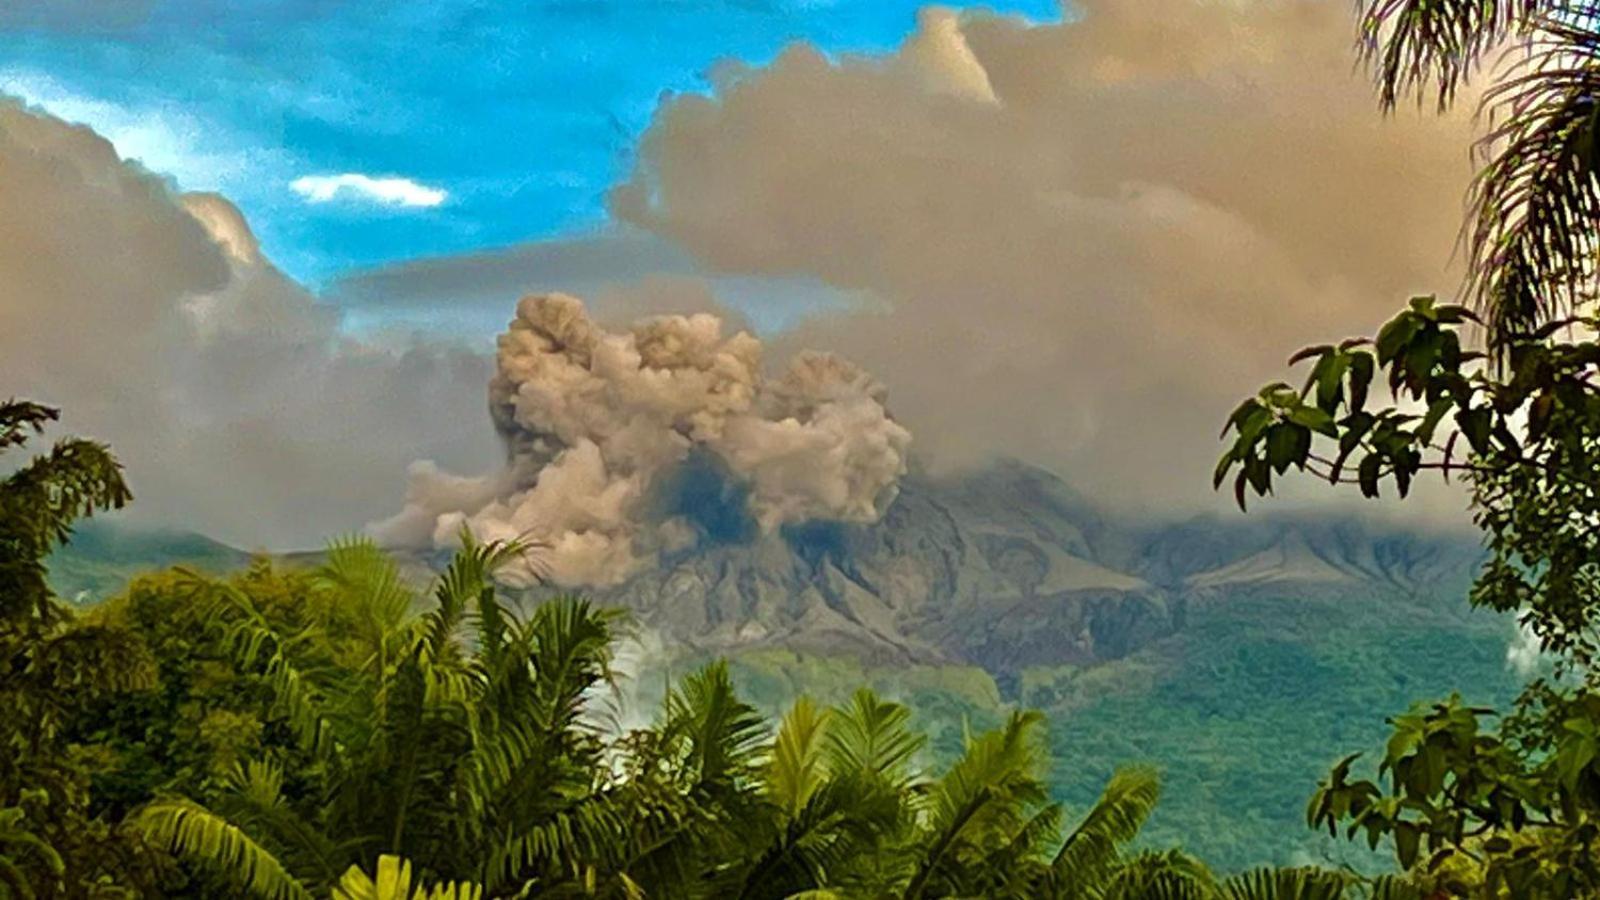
(1008, 567)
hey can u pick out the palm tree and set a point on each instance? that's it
(394, 883)
(838, 792)
(464, 743)
(464, 746)
(453, 739)
(1531, 236)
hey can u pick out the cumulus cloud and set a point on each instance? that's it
(158, 136)
(353, 185)
(597, 422)
(939, 57)
(1084, 240)
(229, 392)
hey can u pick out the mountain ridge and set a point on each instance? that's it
(1008, 567)
(1003, 567)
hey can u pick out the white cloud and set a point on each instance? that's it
(234, 397)
(199, 154)
(389, 191)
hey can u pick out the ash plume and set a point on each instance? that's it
(596, 421)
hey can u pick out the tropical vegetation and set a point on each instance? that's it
(331, 731)
(336, 731)
(1476, 803)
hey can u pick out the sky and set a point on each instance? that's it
(353, 133)
(271, 256)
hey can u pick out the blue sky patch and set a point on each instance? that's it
(466, 125)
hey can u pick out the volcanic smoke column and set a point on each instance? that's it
(595, 421)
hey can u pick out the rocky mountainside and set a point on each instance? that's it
(1008, 568)
(1003, 568)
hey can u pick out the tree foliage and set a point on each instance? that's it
(51, 665)
(338, 732)
(467, 744)
(1474, 806)
(1522, 433)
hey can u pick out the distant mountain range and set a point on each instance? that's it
(1242, 654)
(1009, 568)
(1003, 568)
(103, 555)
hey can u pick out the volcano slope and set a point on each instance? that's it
(1244, 655)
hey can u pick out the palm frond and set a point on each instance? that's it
(1422, 47)
(570, 640)
(530, 741)
(255, 802)
(1534, 232)
(258, 781)
(795, 770)
(1152, 875)
(584, 840)
(394, 882)
(468, 580)
(1091, 849)
(1286, 884)
(368, 586)
(196, 833)
(467, 588)
(985, 798)
(871, 735)
(253, 643)
(836, 833)
(723, 733)
(1018, 869)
